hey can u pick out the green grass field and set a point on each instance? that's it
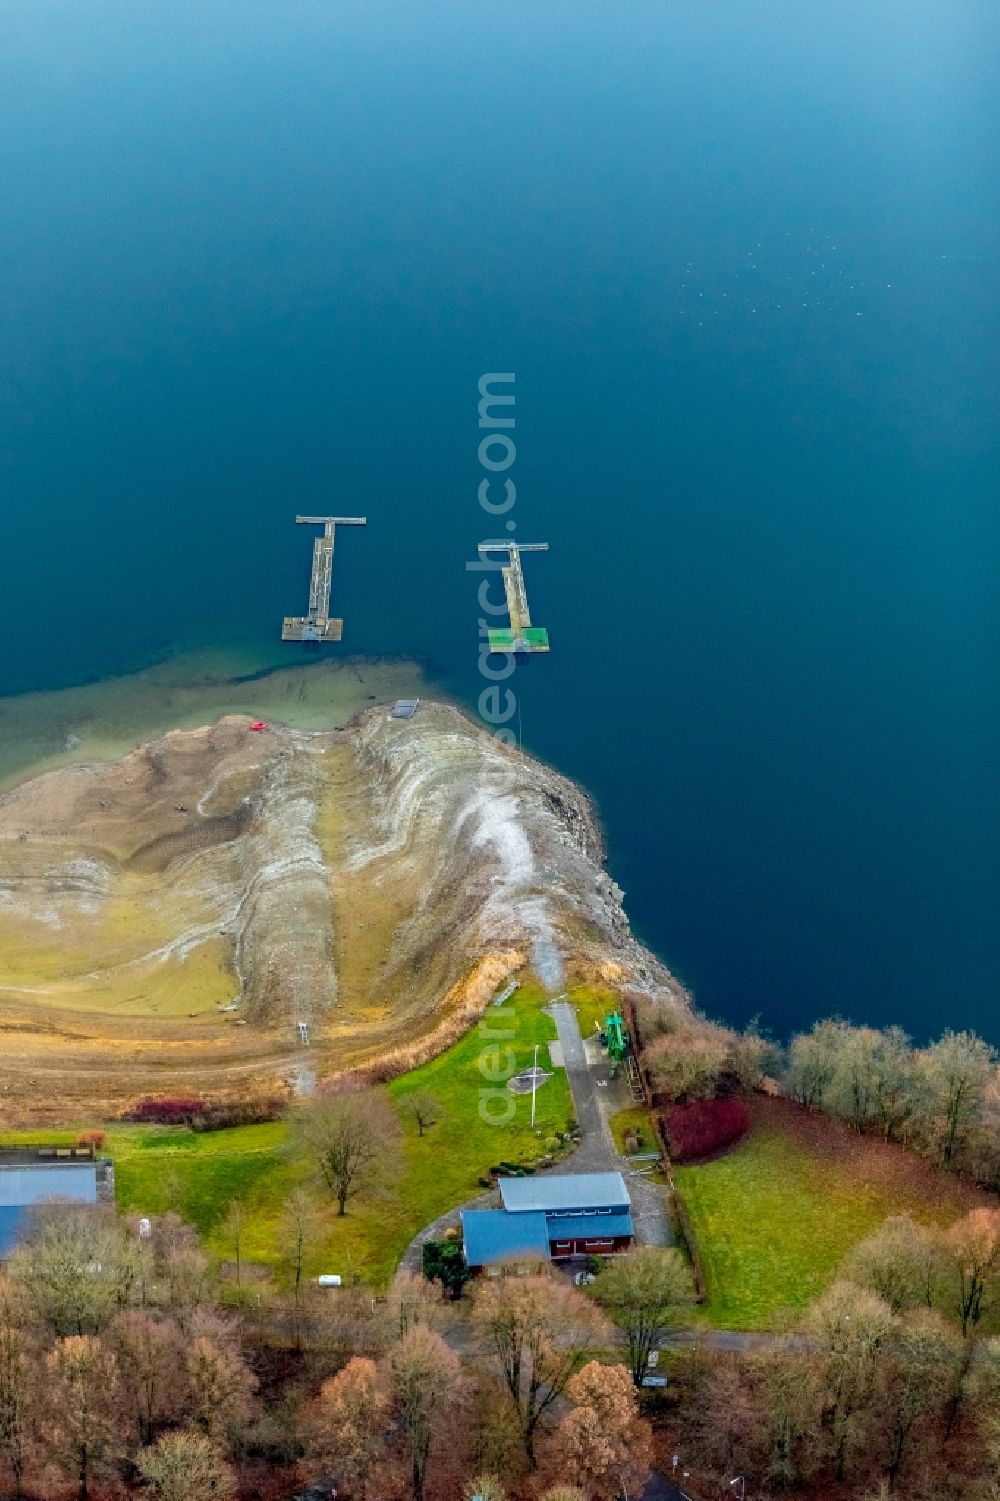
(200, 1173)
(774, 1218)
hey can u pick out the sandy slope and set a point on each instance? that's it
(376, 882)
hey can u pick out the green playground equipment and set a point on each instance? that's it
(614, 1031)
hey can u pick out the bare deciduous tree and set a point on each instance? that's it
(83, 1432)
(414, 1300)
(687, 1064)
(922, 1357)
(350, 1136)
(182, 1271)
(646, 1291)
(953, 1073)
(151, 1361)
(299, 1237)
(221, 1390)
(349, 1422)
(812, 1063)
(541, 1331)
(423, 1108)
(234, 1228)
(186, 1466)
(973, 1253)
(16, 1367)
(78, 1266)
(849, 1327)
(425, 1377)
(901, 1261)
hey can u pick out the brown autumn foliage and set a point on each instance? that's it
(540, 1331)
(602, 1444)
(83, 1435)
(348, 1423)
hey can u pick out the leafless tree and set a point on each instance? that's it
(350, 1136)
(425, 1377)
(973, 1256)
(422, 1107)
(923, 1354)
(221, 1390)
(235, 1229)
(646, 1292)
(16, 1380)
(541, 1332)
(151, 1360)
(848, 1328)
(954, 1074)
(78, 1266)
(901, 1261)
(299, 1237)
(186, 1466)
(83, 1434)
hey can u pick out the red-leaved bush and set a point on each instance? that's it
(704, 1127)
(166, 1110)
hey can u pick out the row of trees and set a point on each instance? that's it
(943, 1100)
(887, 1384)
(120, 1370)
(538, 1403)
(115, 1360)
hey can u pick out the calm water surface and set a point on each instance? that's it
(743, 258)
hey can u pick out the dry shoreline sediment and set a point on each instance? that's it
(377, 882)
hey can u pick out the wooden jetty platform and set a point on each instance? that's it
(317, 624)
(521, 636)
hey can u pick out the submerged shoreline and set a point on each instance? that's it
(100, 721)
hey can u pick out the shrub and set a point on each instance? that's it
(254, 1111)
(95, 1139)
(166, 1110)
(704, 1127)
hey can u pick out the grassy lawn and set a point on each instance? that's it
(774, 1218)
(635, 1118)
(593, 1003)
(199, 1173)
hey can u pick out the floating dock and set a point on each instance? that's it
(521, 635)
(318, 625)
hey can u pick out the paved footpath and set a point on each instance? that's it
(588, 1073)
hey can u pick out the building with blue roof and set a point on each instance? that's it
(550, 1218)
(493, 1238)
(30, 1177)
(566, 1193)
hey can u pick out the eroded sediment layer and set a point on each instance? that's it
(169, 919)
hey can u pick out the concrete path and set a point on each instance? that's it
(588, 1073)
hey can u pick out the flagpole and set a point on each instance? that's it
(534, 1084)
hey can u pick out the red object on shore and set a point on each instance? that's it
(259, 724)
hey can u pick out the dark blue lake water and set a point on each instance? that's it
(743, 258)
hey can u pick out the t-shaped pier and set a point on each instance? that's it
(521, 636)
(317, 624)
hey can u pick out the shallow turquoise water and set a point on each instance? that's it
(743, 259)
